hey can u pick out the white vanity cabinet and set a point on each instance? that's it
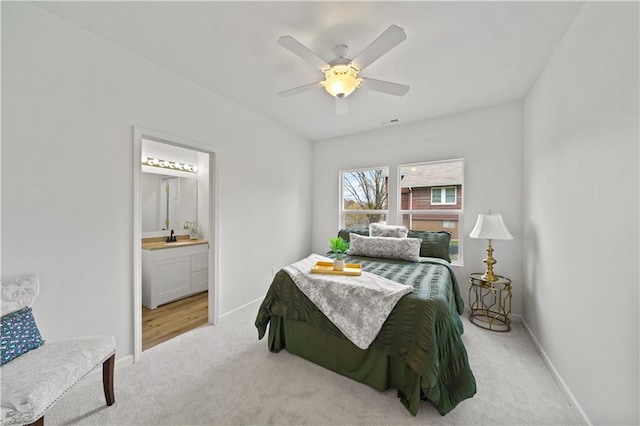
(173, 273)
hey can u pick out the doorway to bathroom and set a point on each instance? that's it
(175, 286)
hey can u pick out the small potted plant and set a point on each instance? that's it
(338, 247)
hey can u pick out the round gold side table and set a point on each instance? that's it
(490, 302)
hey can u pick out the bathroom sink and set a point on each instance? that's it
(178, 243)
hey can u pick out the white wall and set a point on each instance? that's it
(69, 102)
(490, 141)
(581, 211)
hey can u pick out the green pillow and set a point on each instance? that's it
(434, 244)
(360, 230)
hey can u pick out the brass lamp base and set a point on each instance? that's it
(489, 276)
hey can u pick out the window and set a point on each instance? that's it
(427, 197)
(431, 199)
(364, 195)
(443, 196)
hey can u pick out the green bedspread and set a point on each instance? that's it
(423, 330)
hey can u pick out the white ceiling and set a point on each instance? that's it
(457, 56)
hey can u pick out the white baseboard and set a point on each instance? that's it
(549, 364)
(241, 307)
(124, 361)
(556, 375)
(96, 374)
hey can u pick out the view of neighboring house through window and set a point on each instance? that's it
(431, 199)
(440, 196)
(364, 196)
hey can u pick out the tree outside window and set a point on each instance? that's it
(364, 196)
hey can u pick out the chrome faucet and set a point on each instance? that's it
(171, 238)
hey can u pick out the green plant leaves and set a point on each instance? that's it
(338, 245)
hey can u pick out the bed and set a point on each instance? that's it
(418, 351)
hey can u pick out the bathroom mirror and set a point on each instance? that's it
(167, 201)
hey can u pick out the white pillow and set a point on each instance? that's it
(387, 247)
(18, 292)
(382, 230)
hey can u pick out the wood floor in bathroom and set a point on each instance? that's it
(172, 319)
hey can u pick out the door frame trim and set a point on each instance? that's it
(212, 235)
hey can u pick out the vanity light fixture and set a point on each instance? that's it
(156, 162)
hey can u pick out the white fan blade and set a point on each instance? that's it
(390, 38)
(388, 87)
(299, 89)
(299, 49)
(342, 107)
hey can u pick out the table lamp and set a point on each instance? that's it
(490, 227)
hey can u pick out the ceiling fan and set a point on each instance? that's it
(341, 74)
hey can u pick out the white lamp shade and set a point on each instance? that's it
(490, 227)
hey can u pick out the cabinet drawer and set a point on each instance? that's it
(199, 262)
(177, 251)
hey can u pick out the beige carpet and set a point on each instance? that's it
(223, 375)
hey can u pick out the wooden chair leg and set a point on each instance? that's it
(108, 368)
(39, 422)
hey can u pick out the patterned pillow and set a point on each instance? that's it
(19, 334)
(386, 247)
(434, 244)
(18, 292)
(382, 230)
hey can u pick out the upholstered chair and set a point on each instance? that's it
(35, 374)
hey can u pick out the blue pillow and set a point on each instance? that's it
(19, 334)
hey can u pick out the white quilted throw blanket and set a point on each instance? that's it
(357, 305)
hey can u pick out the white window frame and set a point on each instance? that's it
(457, 212)
(343, 211)
(445, 224)
(443, 195)
(394, 213)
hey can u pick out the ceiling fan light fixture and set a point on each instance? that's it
(341, 80)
